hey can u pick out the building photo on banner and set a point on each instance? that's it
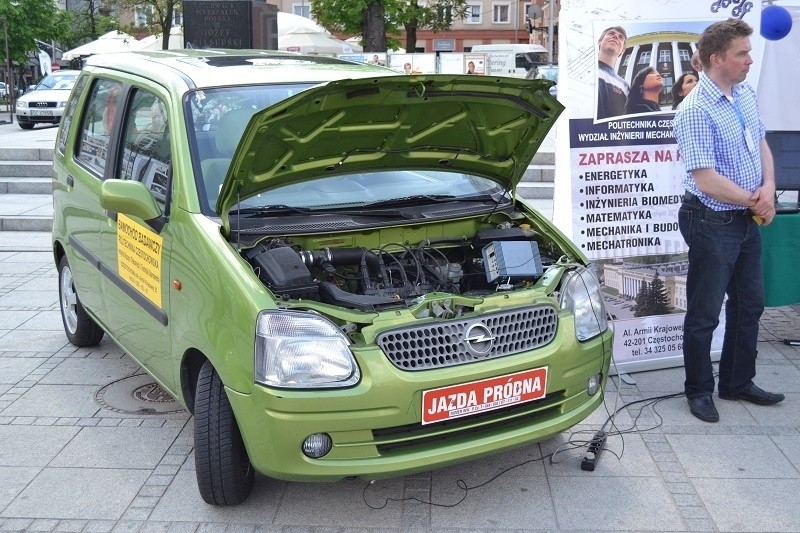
(619, 172)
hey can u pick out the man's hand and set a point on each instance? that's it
(764, 198)
(764, 207)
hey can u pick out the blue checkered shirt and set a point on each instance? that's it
(709, 132)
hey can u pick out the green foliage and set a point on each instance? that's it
(437, 16)
(27, 21)
(351, 17)
(87, 23)
(652, 298)
(159, 15)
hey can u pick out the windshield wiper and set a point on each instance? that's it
(279, 209)
(423, 199)
(270, 210)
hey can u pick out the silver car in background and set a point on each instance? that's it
(45, 103)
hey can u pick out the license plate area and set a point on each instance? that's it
(465, 399)
(41, 113)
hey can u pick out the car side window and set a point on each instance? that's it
(146, 154)
(69, 113)
(98, 121)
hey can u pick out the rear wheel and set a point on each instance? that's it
(224, 473)
(80, 328)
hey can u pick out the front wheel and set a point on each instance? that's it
(224, 473)
(80, 328)
(25, 125)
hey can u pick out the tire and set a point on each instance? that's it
(224, 473)
(81, 329)
(25, 125)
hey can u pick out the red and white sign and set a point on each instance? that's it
(489, 394)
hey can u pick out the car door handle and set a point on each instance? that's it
(70, 181)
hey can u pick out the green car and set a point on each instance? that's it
(325, 262)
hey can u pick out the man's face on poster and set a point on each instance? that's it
(612, 41)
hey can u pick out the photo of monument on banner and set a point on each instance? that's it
(625, 172)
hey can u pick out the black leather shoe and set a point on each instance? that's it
(703, 408)
(754, 394)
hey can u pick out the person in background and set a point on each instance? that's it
(645, 91)
(697, 65)
(406, 68)
(612, 90)
(730, 189)
(470, 68)
(110, 110)
(683, 86)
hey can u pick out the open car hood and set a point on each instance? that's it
(482, 125)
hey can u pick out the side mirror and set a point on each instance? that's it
(130, 198)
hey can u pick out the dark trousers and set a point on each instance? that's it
(724, 258)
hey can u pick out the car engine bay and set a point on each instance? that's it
(372, 279)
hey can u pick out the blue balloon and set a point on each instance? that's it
(776, 22)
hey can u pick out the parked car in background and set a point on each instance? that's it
(3, 89)
(546, 72)
(324, 261)
(44, 104)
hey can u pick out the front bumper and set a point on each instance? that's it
(30, 116)
(375, 426)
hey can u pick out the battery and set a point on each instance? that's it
(512, 260)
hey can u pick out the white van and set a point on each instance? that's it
(526, 57)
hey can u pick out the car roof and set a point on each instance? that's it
(64, 72)
(205, 68)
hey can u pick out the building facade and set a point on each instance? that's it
(486, 22)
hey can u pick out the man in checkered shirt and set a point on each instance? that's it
(730, 188)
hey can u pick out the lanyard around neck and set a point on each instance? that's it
(739, 114)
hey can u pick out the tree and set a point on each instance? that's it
(377, 20)
(437, 17)
(659, 298)
(158, 15)
(90, 20)
(642, 306)
(652, 298)
(28, 21)
(372, 19)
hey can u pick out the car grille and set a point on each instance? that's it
(42, 105)
(439, 345)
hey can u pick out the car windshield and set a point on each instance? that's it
(217, 120)
(57, 81)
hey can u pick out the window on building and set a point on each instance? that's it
(501, 13)
(683, 55)
(303, 10)
(644, 58)
(473, 14)
(142, 16)
(145, 16)
(664, 56)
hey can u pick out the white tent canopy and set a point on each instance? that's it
(113, 41)
(289, 21)
(309, 41)
(154, 42)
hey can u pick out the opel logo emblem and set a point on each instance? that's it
(479, 340)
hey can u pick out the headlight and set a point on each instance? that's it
(61, 105)
(21, 103)
(301, 351)
(580, 292)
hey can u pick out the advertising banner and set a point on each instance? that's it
(619, 170)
